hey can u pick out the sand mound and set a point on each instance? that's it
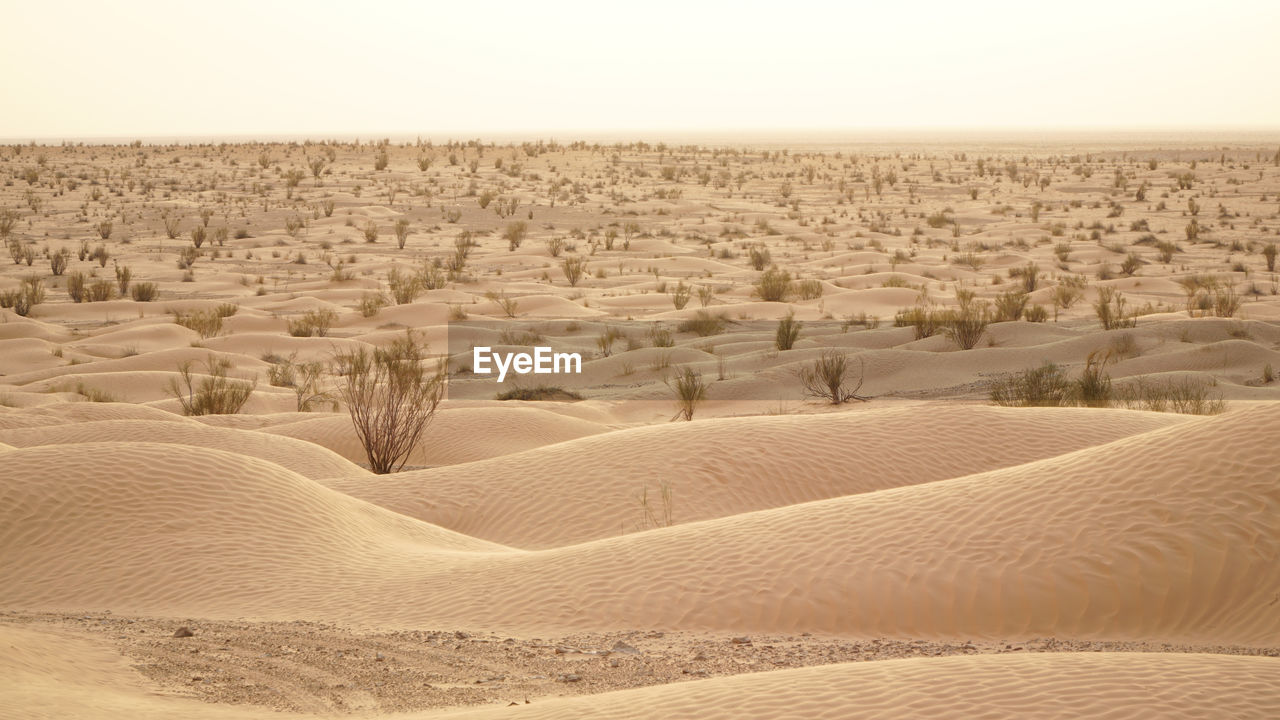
(1159, 537)
(23, 354)
(109, 524)
(1060, 685)
(456, 435)
(75, 412)
(587, 489)
(306, 459)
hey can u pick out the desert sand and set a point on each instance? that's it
(928, 549)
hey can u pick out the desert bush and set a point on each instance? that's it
(514, 234)
(759, 257)
(100, 290)
(8, 221)
(207, 323)
(606, 339)
(1093, 388)
(1010, 305)
(28, 295)
(313, 323)
(404, 288)
(432, 277)
(1045, 386)
(1029, 275)
(510, 306)
(703, 324)
(391, 396)
(574, 268)
(706, 294)
(1035, 313)
(1269, 255)
(690, 390)
(143, 291)
(808, 289)
(92, 394)
(966, 325)
(1110, 309)
(58, 261)
(187, 257)
(1184, 395)
(774, 285)
(680, 295)
(1130, 265)
(124, 276)
(1067, 293)
(371, 303)
(101, 255)
(661, 336)
(553, 393)
(1226, 302)
(401, 229)
(825, 378)
(1165, 250)
(303, 378)
(75, 286)
(784, 338)
(924, 321)
(555, 246)
(212, 394)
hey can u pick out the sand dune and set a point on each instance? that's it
(1046, 686)
(1147, 537)
(306, 459)
(587, 488)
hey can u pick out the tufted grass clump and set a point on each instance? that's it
(788, 332)
(690, 390)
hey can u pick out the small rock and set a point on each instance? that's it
(379, 657)
(568, 678)
(741, 640)
(183, 632)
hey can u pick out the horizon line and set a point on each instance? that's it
(863, 134)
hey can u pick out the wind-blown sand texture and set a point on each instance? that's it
(924, 554)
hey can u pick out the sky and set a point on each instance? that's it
(76, 70)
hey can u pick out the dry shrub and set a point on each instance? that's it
(212, 394)
(825, 378)
(314, 323)
(391, 395)
(690, 390)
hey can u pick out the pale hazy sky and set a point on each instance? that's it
(470, 69)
